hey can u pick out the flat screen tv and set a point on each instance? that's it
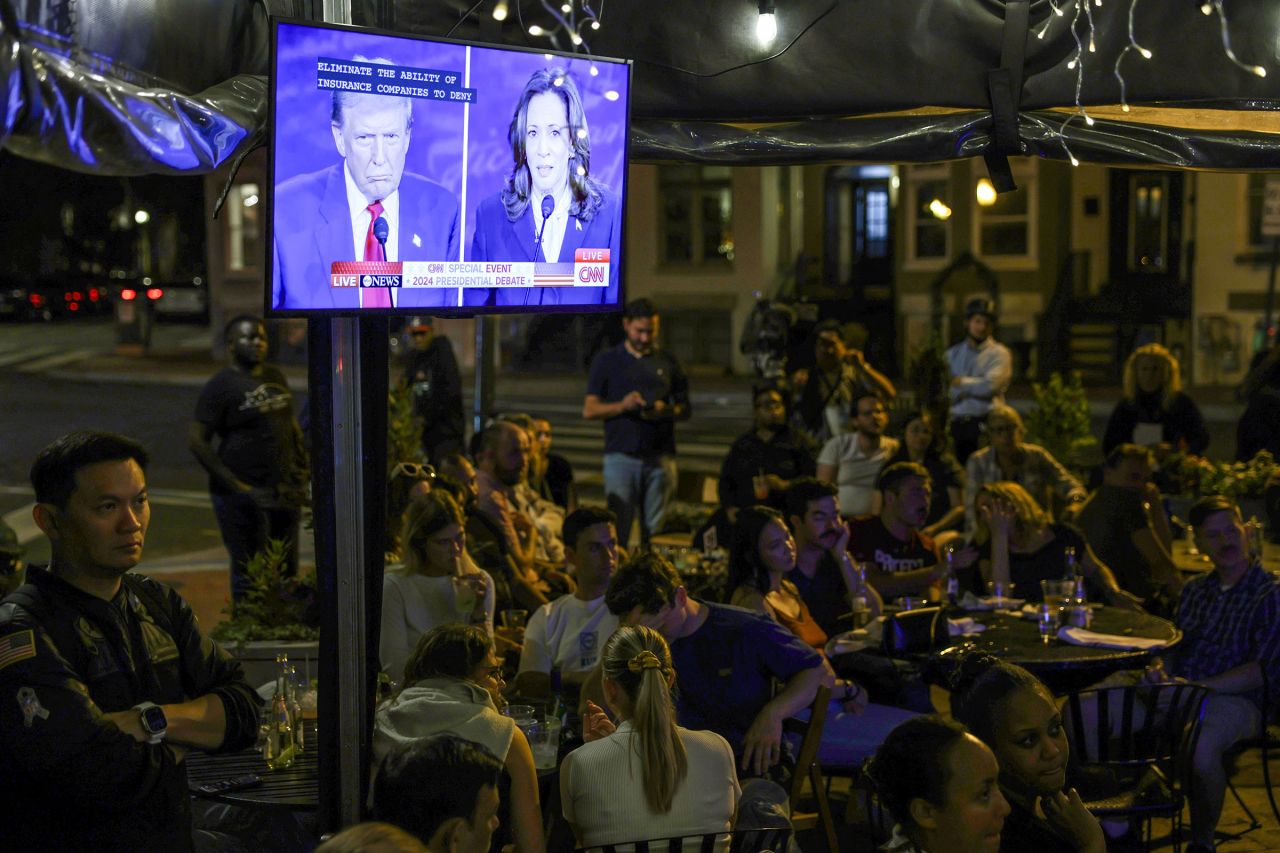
(424, 176)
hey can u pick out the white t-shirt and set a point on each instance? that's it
(414, 604)
(602, 790)
(568, 633)
(856, 472)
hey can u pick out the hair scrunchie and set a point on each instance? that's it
(644, 660)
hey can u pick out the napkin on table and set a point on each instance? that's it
(1085, 637)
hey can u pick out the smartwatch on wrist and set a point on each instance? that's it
(153, 720)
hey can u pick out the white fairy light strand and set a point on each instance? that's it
(1134, 46)
(1088, 11)
(1226, 41)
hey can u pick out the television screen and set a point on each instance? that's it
(422, 176)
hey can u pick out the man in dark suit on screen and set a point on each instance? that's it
(333, 214)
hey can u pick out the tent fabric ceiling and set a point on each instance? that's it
(178, 86)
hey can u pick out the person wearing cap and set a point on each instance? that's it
(981, 368)
(13, 572)
(433, 377)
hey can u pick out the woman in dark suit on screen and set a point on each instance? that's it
(548, 195)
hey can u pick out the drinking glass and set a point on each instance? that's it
(1000, 590)
(760, 486)
(544, 740)
(1057, 593)
(1047, 622)
(464, 595)
(514, 620)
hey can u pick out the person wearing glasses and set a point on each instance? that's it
(453, 683)
(431, 373)
(13, 572)
(1010, 459)
(408, 480)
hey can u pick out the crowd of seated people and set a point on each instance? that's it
(683, 696)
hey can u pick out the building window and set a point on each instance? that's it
(1255, 193)
(1004, 227)
(929, 207)
(696, 225)
(1148, 223)
(244, 227)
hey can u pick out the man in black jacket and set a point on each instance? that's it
(105, 678)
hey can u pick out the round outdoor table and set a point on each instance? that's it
(296, 788)
(1065, 667)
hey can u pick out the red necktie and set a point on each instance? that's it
(374, 297)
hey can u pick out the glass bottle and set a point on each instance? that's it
(858, 596)
(294, 698)
(279, 750)
(953, 582)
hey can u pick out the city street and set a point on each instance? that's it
(71, 375)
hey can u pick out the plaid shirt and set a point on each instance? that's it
(1223, 629)
(1041, 475)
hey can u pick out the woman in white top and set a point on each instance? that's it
(437, 583)
(649, 778)
(452, 681)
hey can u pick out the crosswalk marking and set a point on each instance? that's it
(13, 356)
(56, 360)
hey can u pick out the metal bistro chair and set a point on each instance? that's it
(1267, 742)
(808, 769)
(737, 841)
(1146, 734)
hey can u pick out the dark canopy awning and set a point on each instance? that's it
(176, 86)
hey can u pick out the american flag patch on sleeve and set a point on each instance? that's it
(17, 647)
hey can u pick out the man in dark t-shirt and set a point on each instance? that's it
(1125, 524)
(825, 574)
(726, 660)
(639, 391)
(764, 460)
(258, 473)
(903, 560)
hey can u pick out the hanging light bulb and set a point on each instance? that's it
(939, 209)
(500, 10)
(766, 24)
(986, 192)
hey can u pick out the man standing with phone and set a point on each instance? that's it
(639, 391)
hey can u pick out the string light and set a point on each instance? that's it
(766, 24)
(986, 192)
(500, 10)
(535, 30)
(939, 209)
(1226, 42)
(1134, 46)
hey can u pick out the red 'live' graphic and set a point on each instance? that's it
(591, 256)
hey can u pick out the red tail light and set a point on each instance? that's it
(36, 300)
(93, 294)
(128, 295)
(154, 293)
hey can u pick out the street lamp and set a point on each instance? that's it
(141, 217)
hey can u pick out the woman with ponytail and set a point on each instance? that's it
(649, 778)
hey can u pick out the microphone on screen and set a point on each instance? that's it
(548, 207)
(380, 231)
